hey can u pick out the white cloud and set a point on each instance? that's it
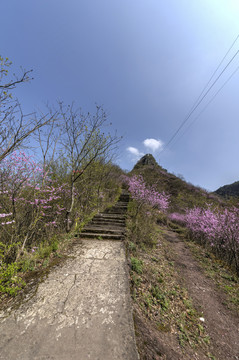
(135, 152)
(153, 144)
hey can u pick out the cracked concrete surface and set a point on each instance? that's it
(81, 311)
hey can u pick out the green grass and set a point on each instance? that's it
(13, 275)
(157, 291)
(10, 281)
(137, 265)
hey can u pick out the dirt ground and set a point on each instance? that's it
(221, 323)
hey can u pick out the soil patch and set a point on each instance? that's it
(179, 311)
(221, 323)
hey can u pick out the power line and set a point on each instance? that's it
(192, 111)
(214, 73)
(200, 99)
(224, 84)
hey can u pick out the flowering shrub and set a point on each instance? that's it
(30, 204)
(144, 210)
(178, 218)
(217, 228)
(147, 194)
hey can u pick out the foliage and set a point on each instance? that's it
(97, 187)
(145, 207)
(31, 205)
(148, 195)
(83, 142)
(72, 178)
(217, 228)
(141, 224)
(137, 265)
(33, 210)
(10, 282)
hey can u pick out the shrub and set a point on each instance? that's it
(10, 282)
(137, 265)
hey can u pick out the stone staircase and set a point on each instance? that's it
(110, 224)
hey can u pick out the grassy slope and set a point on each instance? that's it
(183, 194)
(165, 317)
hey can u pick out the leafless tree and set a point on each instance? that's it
(15, 127)
(83, 141)
(47, 139)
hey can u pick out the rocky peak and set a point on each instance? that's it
(147, 159)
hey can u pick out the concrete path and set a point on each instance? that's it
(81, 311)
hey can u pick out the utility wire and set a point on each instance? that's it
(195, 107)
(200, 99)
(214, 73)
(214, 96)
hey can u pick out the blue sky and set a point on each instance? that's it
(146, 62)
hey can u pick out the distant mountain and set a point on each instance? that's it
(182, 193)
(227, 191)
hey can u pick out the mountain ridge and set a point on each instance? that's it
(230, 190)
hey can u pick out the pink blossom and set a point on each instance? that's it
(216, 227)
(51, 223)
(8, 222)
(4, 215)
(147, 194)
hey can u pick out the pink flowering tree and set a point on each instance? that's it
(178, 218)
(215, 228)
(145, 208)
(147, 195)
(31, 205)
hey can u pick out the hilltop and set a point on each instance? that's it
(182, 194)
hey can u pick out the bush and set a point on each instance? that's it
(137, 265)
(10, 282)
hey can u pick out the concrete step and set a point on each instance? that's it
(106, 225)
(102, 230)
(110, 224)
(100, 236)
(115, 211)
(124, 198)
(109, 221)
(113, 217)
(122, 203)
(109, 216)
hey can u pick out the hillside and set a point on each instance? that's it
(185, 297)
(227, 191)
(182, 194)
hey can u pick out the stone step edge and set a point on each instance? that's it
(103, 231)
(100, 236)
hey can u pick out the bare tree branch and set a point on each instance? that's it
(12, 84)
(15, 127)
(84, 142)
